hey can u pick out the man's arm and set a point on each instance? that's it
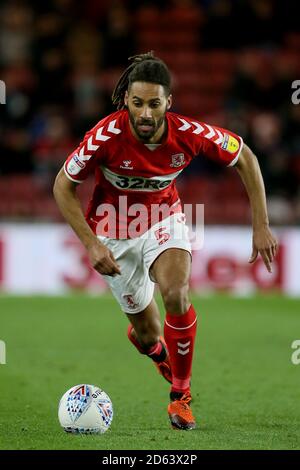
(263, 239)
(101, 257)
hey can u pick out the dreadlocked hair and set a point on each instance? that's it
(143, 68)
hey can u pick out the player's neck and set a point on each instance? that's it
(158, 137)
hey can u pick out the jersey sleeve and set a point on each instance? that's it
(82, 161)
(215, 143)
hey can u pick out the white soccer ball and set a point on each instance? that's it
(85, 409)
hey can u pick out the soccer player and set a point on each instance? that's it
(136, 154)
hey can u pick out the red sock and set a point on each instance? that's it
(155, 352)
(180, 333)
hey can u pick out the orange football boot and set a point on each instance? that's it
(180, 413)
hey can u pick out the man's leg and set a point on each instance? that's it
(171, 270)
(145, 334)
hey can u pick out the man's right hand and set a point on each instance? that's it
(103, 260)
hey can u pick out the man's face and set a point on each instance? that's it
(147, 105)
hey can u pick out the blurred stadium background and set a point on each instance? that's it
(233, 64)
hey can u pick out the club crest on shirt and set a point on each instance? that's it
(177, 160)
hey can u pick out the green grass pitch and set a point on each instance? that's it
(246, 389)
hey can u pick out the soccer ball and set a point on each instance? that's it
(85, 409)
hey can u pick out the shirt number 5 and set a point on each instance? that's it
(160, 236)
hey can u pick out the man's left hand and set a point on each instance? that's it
(265, 243)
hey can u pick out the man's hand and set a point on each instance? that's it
(103, 260)
(264, 242)
(67, 200)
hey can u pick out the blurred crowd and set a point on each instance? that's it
(233, 63)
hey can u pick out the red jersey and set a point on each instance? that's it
(131, 178)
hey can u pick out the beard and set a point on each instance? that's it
(145, 129)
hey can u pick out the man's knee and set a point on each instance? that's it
(176, 298)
